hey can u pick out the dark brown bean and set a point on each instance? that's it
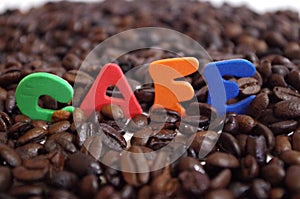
(273, 173)
(59, 127)
(222, 160)
(89, 186)
(26, 190)
(259, 103)
(245, 122)
(29, 150)
(9, 155)
(249, 168)
(203, 142)
(63, 179)
(194, 182)
(112, 138)
(260, 189)
(293, 78)
(23, 174)
(36, 133)
(296, 140)
(138, 122)
(6, 179)
(256, 146)
(221, 180)
(248, 86)
(229, 144)
(290, 157)
(282, 144)
(292, 180)
(112, 111)
(141, 137)
(71, 61)
(286, 93)
(283, 127)
(219, 193)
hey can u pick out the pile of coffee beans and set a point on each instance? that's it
(254, 155)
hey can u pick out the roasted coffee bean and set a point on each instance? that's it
(105, 192)
(84, 131)
(287, 109)
(27, 175)
(265, 69)
(10, 101)
(231, 125)
(194, 182)
(293, 78)
(71, 61)
(6, 179)
(5, 121)
(26, 191)
(259, 103)
(36, 163)
(280, 69)
(78, 77)
(290, 157)
(22, 118)
(256, 146)
(60, 115)
(39, 123)
(59, 127)
(29, 150)
(9, 156)
(89, 186)
(62, 135)
(31, 135)
(292, 180)
(219, 193)
(273, 173)
(93, 146)
(79, 117)
(112, 138)
(112, 111)
(187, 129)
(141, 137)
(82, 164)
(201, 109)
(138, 122)
(286, 93)
(224, 160)
(277, 80)
(296, 140)
(10, 78)
(239, 189)
(282, 144)
(284, 126)
(249, 168)
(260, 188)
(228, 143)
(267, 117)
(248, 86)
(61, 194)
(221, 180)
(276, 193)
(132, 173)
(245, 122)
(60, 144)
(189, 163)
(144, 94)
(203, 142)
(63, 179)
(261, 129)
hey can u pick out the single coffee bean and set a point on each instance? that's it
(260, 189)
(245, 122)
(280, 69)
(248, 86)
(261, 129)
(83, 164)
(189, 163)
(112, 138)
(292, 179)
(265, 69)
(277, 80)
(28, 175)
(29, 150)
(63, 179)
(224, 160)
(6, 179)
(259, 103)
(22, 191)
(141, 137)
(112, 111)
(249, 168)
(273, 173)
(228, 143)
(38, 162)
(164, 185)
(277, 193)
(93, 146)
(138, 122)
(219, 193)
(221, 180)
(78, 77)
(282, 144)
(239, 189)
(194, 182)
(59, 127)
(296, 140)
(286, 93)
(256, 146)
(231, 125)
(290, 157)
(293, 78)
(36, 133)
(71, 61)
(89, 186)
(283, 127)
(9, 156)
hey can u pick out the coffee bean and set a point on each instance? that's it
(5, 178)
(78, 77)
(29, 150)
(189, 163)
(79, 117)
(23, 174)
(112, 138)
(239, 189)
(112, 111)
(221, 180)
(277, 193)
(292, 180)
(31, 135)
(59, 127)
(229, 144)
(224, 160)
(71, 61)
(5, 121)
(89, 186)
(265, 69)
(62, 194)
(132, 173)
(273, 173)
(63, 179)
(280, 69)
(287, 109)
(194, 182)
(141, 137)
(22, 118)
(286, 93)
(219, 193)
(10, 101)
(260, 188)
(249, 168)
(26, 191)
(290, 157)
(164, 185)
(203, 142)
(259, 103)
(256, 146)
(293, 78)
(283, 127)
(9, 155)
(296, 140)
(82, 164)
(261, 129)
(277, 80)
(245, 122)
(282, 144)
(93, 146)
(60, 115)
(248, 86)
(138, 122)
(231, 125)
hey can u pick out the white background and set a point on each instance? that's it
(257, 5)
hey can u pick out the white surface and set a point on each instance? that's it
(257, 5)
